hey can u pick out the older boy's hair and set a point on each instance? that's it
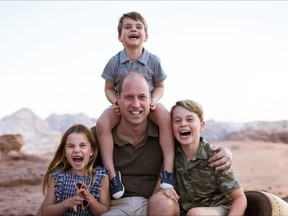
(191, 106)
(134, 16)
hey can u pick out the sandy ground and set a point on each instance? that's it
(258, 166)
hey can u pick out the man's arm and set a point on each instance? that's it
(222, 160)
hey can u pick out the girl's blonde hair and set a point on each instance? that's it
(191, 106)
(60, 162)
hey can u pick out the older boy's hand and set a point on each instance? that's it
(222, 160)
(171, 193)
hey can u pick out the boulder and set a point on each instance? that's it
(11, 142)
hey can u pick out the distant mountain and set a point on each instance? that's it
(63, 122)
(215, 131)
(44, 135)
(267, 131)
(41, 135)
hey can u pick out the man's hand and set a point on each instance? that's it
(222, 160)
(153, 104)
(116, 108)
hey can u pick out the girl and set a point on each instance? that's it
(73, 185)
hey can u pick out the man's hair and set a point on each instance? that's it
(119, 90)
(134, 16)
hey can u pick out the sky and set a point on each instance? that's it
(230, 56)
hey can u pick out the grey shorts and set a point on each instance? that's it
(128, 206)
(223, 209)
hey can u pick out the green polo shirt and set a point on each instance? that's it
(139, 165)
(198, 184)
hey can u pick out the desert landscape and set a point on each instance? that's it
(258, 165)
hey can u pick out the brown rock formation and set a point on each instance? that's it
(11, 142)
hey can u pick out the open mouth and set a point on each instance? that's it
(135, 112)
(185, 133)
(133, 37)
(78, 159)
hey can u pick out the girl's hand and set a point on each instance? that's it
(83, 193)
(74, 201)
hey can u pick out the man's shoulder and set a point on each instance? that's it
(152, 129)
(93, 129)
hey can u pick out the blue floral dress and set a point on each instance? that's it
(65, 188)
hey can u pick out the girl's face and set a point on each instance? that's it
(187, 126)
(78, 152)
(133, 33)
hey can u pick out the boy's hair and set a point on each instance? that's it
(134, 16)
(60, 162)
(191, 106)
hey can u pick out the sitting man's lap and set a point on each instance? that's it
(134, 205)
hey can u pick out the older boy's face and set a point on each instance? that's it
(134, 101)
(186, 126)
(133, 33)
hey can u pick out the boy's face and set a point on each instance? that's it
(133, 33)
(187, 126)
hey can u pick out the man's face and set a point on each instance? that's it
(134, 100)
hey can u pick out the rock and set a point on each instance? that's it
(11, 142)
(15, 155)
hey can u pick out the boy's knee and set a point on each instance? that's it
(159, 204)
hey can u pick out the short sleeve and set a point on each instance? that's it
(100, 174)
(59, 186)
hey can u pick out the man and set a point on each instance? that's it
(138, 155)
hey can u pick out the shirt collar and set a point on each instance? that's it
(142, 59)
(202, 151)
(152, 131)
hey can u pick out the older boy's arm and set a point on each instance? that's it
(222, 160)
(239, 202)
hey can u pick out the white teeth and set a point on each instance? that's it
(133, 36)
(135, 112)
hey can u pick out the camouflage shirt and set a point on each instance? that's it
(198, 184)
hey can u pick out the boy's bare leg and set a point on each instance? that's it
(105, 123)
(162, 118)
(159, 204)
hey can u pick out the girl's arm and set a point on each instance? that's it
(103, 205)
(239, 202)
(49, 206)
